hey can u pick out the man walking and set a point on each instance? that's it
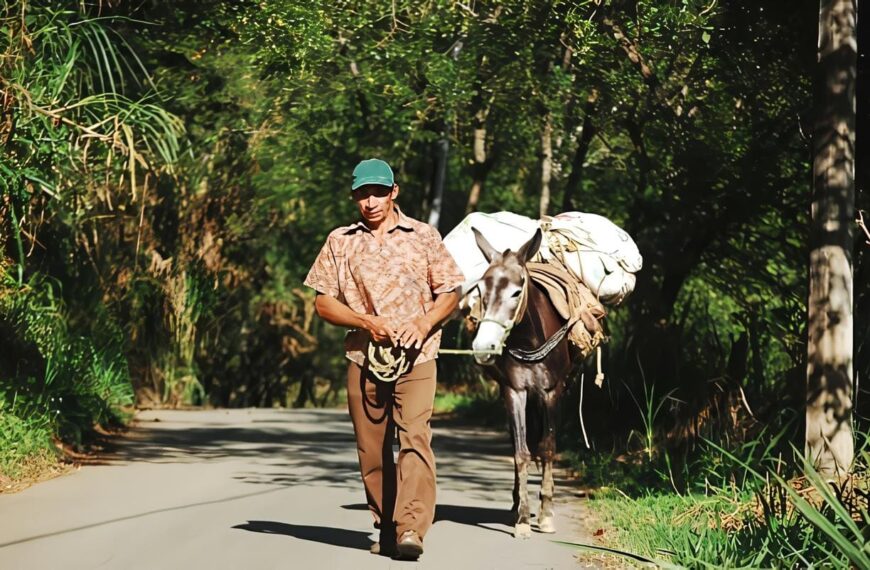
(389, 279)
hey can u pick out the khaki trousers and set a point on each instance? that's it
(400, 494)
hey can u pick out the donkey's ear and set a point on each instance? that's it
(531, 247)
(488, 251)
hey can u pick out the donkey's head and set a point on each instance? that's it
(503, 295)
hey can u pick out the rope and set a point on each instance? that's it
(386, 367)
(599, 378)
(580, 411)
(466, 351)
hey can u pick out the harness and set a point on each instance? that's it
(533, 355)
(541, 352)
(521, 309)
(572, 300)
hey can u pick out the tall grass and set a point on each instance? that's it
(88, 142)
(57, 381)
(746, 510)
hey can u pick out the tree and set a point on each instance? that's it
(829, 441)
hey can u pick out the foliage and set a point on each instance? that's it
(747, 509)
(60, 381)
(75, 145)
(481, 404)
(665, 90)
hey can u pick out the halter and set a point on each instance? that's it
(521, 308)
(533, 355)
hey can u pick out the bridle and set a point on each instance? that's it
(506, 327)
(533, 355)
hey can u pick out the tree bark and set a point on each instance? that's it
(862, 203)
(576, 176)
(546, 164)
(829, 440)
(441, 150)
(481, 166)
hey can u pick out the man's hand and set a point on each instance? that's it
(413, 333)
(380, 329)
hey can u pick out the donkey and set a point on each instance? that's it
(517, 316)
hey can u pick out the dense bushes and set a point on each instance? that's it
(58, 379)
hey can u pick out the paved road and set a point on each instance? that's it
(256, 489)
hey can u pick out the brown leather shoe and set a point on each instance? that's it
(409, 546)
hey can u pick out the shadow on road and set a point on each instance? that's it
(355, 539)
(462, 514)
(308, 447)
(171, 441)
(136, 516)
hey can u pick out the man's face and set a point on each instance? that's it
(375, 202)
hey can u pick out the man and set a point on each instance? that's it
(389, 279)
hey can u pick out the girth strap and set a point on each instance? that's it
(541, 352)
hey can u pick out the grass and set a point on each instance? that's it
(67, 380)
(23, 441)
(736, 513)
(477, 407)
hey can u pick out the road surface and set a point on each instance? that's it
(268, 488)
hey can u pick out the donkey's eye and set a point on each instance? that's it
(516, 293)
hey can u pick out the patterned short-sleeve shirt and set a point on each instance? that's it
(396, 276)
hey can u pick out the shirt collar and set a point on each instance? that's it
(403, 222)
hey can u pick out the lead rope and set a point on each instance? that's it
(386, 367)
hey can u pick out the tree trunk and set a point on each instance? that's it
(576, 176)
(829, 441)
(546, 164)
(441, 148)
(862, 203)
(480, 167)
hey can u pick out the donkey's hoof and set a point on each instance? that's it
(523, 530)
(547, 525)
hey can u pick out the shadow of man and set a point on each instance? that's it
(481, 517)
(355, 539)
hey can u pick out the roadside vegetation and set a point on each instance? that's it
(740, 509)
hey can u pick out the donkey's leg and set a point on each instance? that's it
(546, 520)
(515, 507)
(515, 401)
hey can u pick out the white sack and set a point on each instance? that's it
(504, 230)
(605, 259)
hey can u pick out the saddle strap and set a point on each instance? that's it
(542, 351)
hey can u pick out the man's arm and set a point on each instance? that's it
(337, 313)
(415, 332)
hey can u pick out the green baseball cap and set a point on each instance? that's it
(372, 171)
